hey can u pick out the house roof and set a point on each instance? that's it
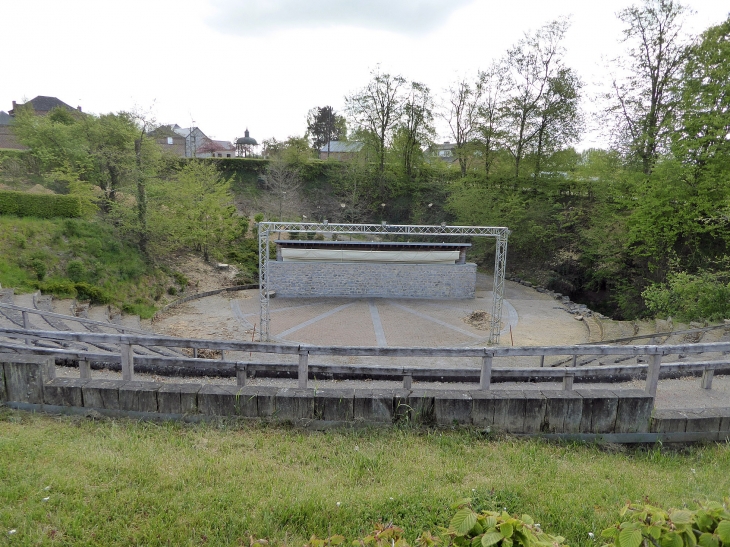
(5, 118)
(41, 103)
(445, 146)
(342, 146)
(225, 145)
(163, 131)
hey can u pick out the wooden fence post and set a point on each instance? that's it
(652, 374)
(485, 379)
(85, 369)
(407, 381)
(241, 374)
(707, 375)
(26, 326)
(568, 380)
(303, 369)
(127, 352)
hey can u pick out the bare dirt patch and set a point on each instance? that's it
(202, 276)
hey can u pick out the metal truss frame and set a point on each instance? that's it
(500, 234)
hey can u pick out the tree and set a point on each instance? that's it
(462, 115)
(283, 196)
(325, 125)
(641, 102)
(490, 131)
(416, 129)
(560, 121)
(535, 65)
(702, 139)
(377, 109)
(193, 211)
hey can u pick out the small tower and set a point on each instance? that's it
(244, 145)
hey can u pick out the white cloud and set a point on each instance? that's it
(412, 17)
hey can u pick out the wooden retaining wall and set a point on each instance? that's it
(619, 415)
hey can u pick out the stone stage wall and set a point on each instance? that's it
(327, 279)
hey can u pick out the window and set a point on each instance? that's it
(169, 140)
(228, 155)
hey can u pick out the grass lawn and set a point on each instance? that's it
(118, 482)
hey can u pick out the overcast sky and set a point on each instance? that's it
(228, 65)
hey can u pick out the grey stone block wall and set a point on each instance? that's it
(325, 279)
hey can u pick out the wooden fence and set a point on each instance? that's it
(484, 374)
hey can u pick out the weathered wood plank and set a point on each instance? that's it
(261, 347)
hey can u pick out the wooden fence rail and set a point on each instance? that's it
(303, 370)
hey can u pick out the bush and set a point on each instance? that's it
(23, 204)
(39, 267)
(95, 294)
(75, 270)
(691, 297)
(707, 526)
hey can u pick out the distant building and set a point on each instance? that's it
(216, 149)
(168, 140)
(41, 106)
(245, 146)
(445, 151)
(340, 150)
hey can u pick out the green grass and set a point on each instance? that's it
(130, 483)
(69, 256)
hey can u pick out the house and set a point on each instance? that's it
(445, 151)
(216, 149)
(340, 150)
(168, 140)
(41, 106)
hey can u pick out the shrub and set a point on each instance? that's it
(23, 204)
(75, 270)
(691, 297)
(95, 294)
(707, 526)
(39, 267)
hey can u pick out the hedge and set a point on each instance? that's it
(23, 204)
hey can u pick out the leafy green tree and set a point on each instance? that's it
(702, 140)
(325, 125)
(491, 129)
(642, 103)
(543, 94)
(193, 211)
(415, 130)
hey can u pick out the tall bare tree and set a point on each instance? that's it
(462, 115)
(376, 109)
(641, 100)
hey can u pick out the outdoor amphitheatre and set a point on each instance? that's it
(372, 332)
(451, 288)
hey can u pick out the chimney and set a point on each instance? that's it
(14, 105)
(78, 108)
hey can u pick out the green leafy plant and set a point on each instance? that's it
(491, 528)
(649, 526)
